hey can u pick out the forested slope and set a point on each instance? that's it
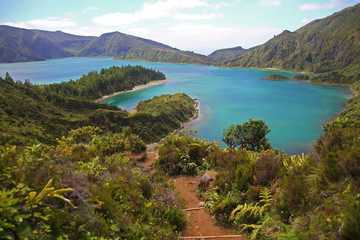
(29, 114)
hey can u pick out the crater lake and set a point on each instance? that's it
(295, 111)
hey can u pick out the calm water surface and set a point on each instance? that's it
(295, 111)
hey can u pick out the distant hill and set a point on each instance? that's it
(21, 45)
(164, 55)
(69, 42)
(227, 54)
(123, 46)
(116, 43)
(329, 44)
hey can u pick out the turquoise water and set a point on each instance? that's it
(295, 111)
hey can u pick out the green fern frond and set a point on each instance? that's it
(255, 211)
(265, 195)
(255, 227)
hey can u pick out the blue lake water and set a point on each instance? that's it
(294, 110)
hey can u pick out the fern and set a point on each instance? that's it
(294, 161)
(255, 230)
(256, 211)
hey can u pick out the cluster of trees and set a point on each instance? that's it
(95, 84)
(250, 135)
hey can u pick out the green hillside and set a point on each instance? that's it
(164, 55)
(116, 43)
(227, 54)
(21, 45)
(325, 45)
(69, 42)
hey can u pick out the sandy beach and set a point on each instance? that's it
(136, 88)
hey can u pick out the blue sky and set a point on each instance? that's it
(196, 25)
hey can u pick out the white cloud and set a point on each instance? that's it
(268, 3)
(222, 4)
(139, 31)
(156, 10)
(328, 5)
(118, 19)
(193, 36)
(88, 31)
(185, 16)
(306, 20)
(90, 9)
(46, 23)
(18, 24)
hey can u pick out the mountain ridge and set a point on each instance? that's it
(57, 44)
(322, 46)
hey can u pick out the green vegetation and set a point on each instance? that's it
(116, 43)
(271, 195)
(227, 54)
(298, 76)
(276, 77)
(30, 114)
(164, 55)
(156, 118)
(94, 85)
(69, 42)
(21, 45)
(328, 46)
(65, 182)
(250, 135)
(183, 154)
(301, 77)
(94, 192)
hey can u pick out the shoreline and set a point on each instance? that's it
(187, 122)
(152, 146)
(136, 88)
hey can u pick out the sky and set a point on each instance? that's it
(202, 26)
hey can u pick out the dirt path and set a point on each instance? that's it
(150, 159)
(200, 222)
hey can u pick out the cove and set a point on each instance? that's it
(294, 110)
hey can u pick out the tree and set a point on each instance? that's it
(229, 136)
(250, 135)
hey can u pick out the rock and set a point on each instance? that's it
(201, 204)
(205, 180)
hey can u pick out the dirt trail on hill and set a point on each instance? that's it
(200, 224)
